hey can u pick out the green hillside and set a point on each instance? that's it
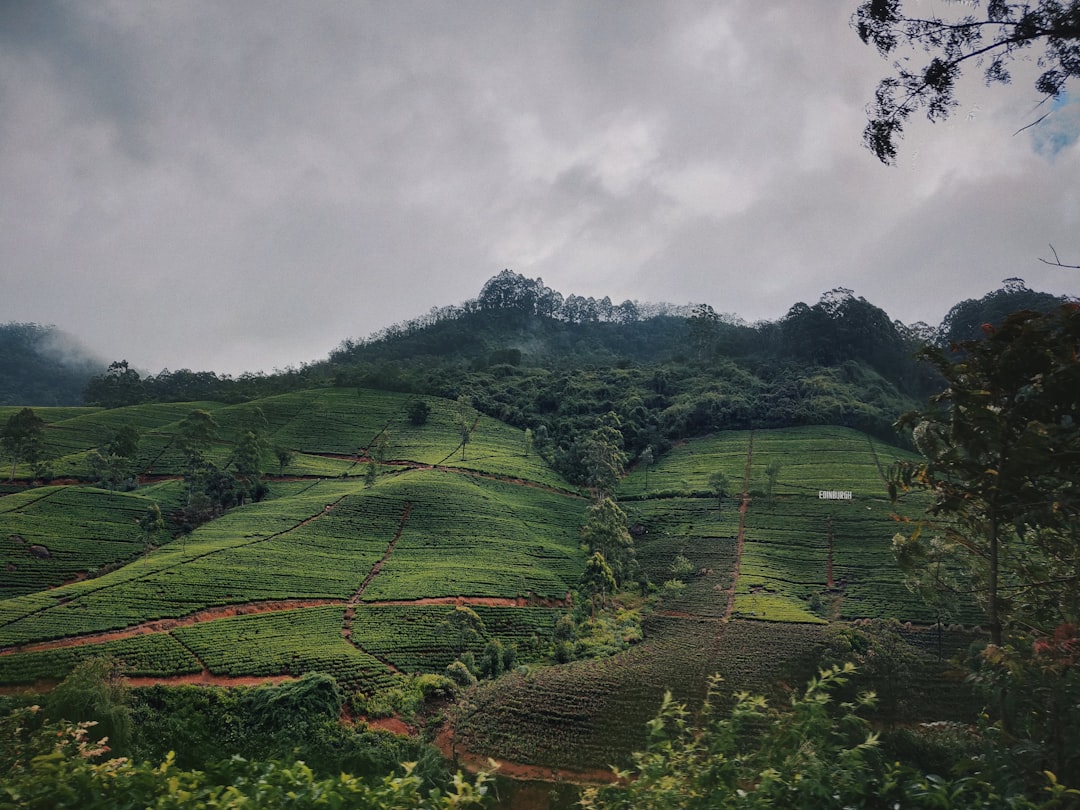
(423, 546)
(338, 571)
(429, 525)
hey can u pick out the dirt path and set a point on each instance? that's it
(743, 507)
(165, 625)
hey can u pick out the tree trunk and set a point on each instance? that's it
(992, 584)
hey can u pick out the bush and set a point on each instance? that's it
(56, 766)
(459, 674)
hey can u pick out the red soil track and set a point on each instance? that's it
(165, 625)
(743, 507)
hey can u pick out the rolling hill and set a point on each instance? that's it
(356, 575)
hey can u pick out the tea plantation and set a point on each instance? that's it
(372, 529)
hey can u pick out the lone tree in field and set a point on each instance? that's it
(647, 459)
(464, 626)
(772, 472)
(284, 457)
(990, 35)
(112, 462)
(718, 483)
(247, 457)
(151, 524)
(23, 438)
(197, 432)
(466, 420)
(417, 412)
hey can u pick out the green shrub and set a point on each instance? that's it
(459, 673)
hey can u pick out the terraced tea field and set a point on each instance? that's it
(338, 573)
(52, 534)
(462, 530)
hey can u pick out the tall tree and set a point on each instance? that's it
(112, 464)
(197, 432)
(284, 457)
(597, 581)
(603, 458)
(647, 458)
(119, 385)
(466, 420)
(718, 483)
(464, 626)
(1001, 461)
(247, 458)
(605, 532)
(988, 34)
(152, 524)
(772, 473)
(23, 438)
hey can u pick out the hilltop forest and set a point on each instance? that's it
(529, 356)
(590, 554)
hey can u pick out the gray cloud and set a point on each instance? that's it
(240, 186)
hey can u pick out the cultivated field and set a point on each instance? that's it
(356, 575)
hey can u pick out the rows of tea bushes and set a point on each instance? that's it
(785, 562)
(243, 556)
(57, 413)
(314, 424)
(697, 529)
(92, 427)
(156, 654)
(459, 535)
(468, 536)
(52, 534)
(592, 714)
(289, 642)
(687, 468)
(417, 638)
(817, 458)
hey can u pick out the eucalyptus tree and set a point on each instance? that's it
(23, 438)
(719, 485)
(991, 35)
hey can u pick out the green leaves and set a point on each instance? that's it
(997, 37)
(23, 438)
(1002, 452)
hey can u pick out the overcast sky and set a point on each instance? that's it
(240, 185)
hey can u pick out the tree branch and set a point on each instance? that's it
(1057, 262)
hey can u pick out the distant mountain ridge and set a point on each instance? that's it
(516, 321)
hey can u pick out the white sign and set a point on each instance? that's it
(834, 494)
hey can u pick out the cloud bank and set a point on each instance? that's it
(240, 186)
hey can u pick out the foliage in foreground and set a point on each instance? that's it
(56, 765)
(815, 753)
